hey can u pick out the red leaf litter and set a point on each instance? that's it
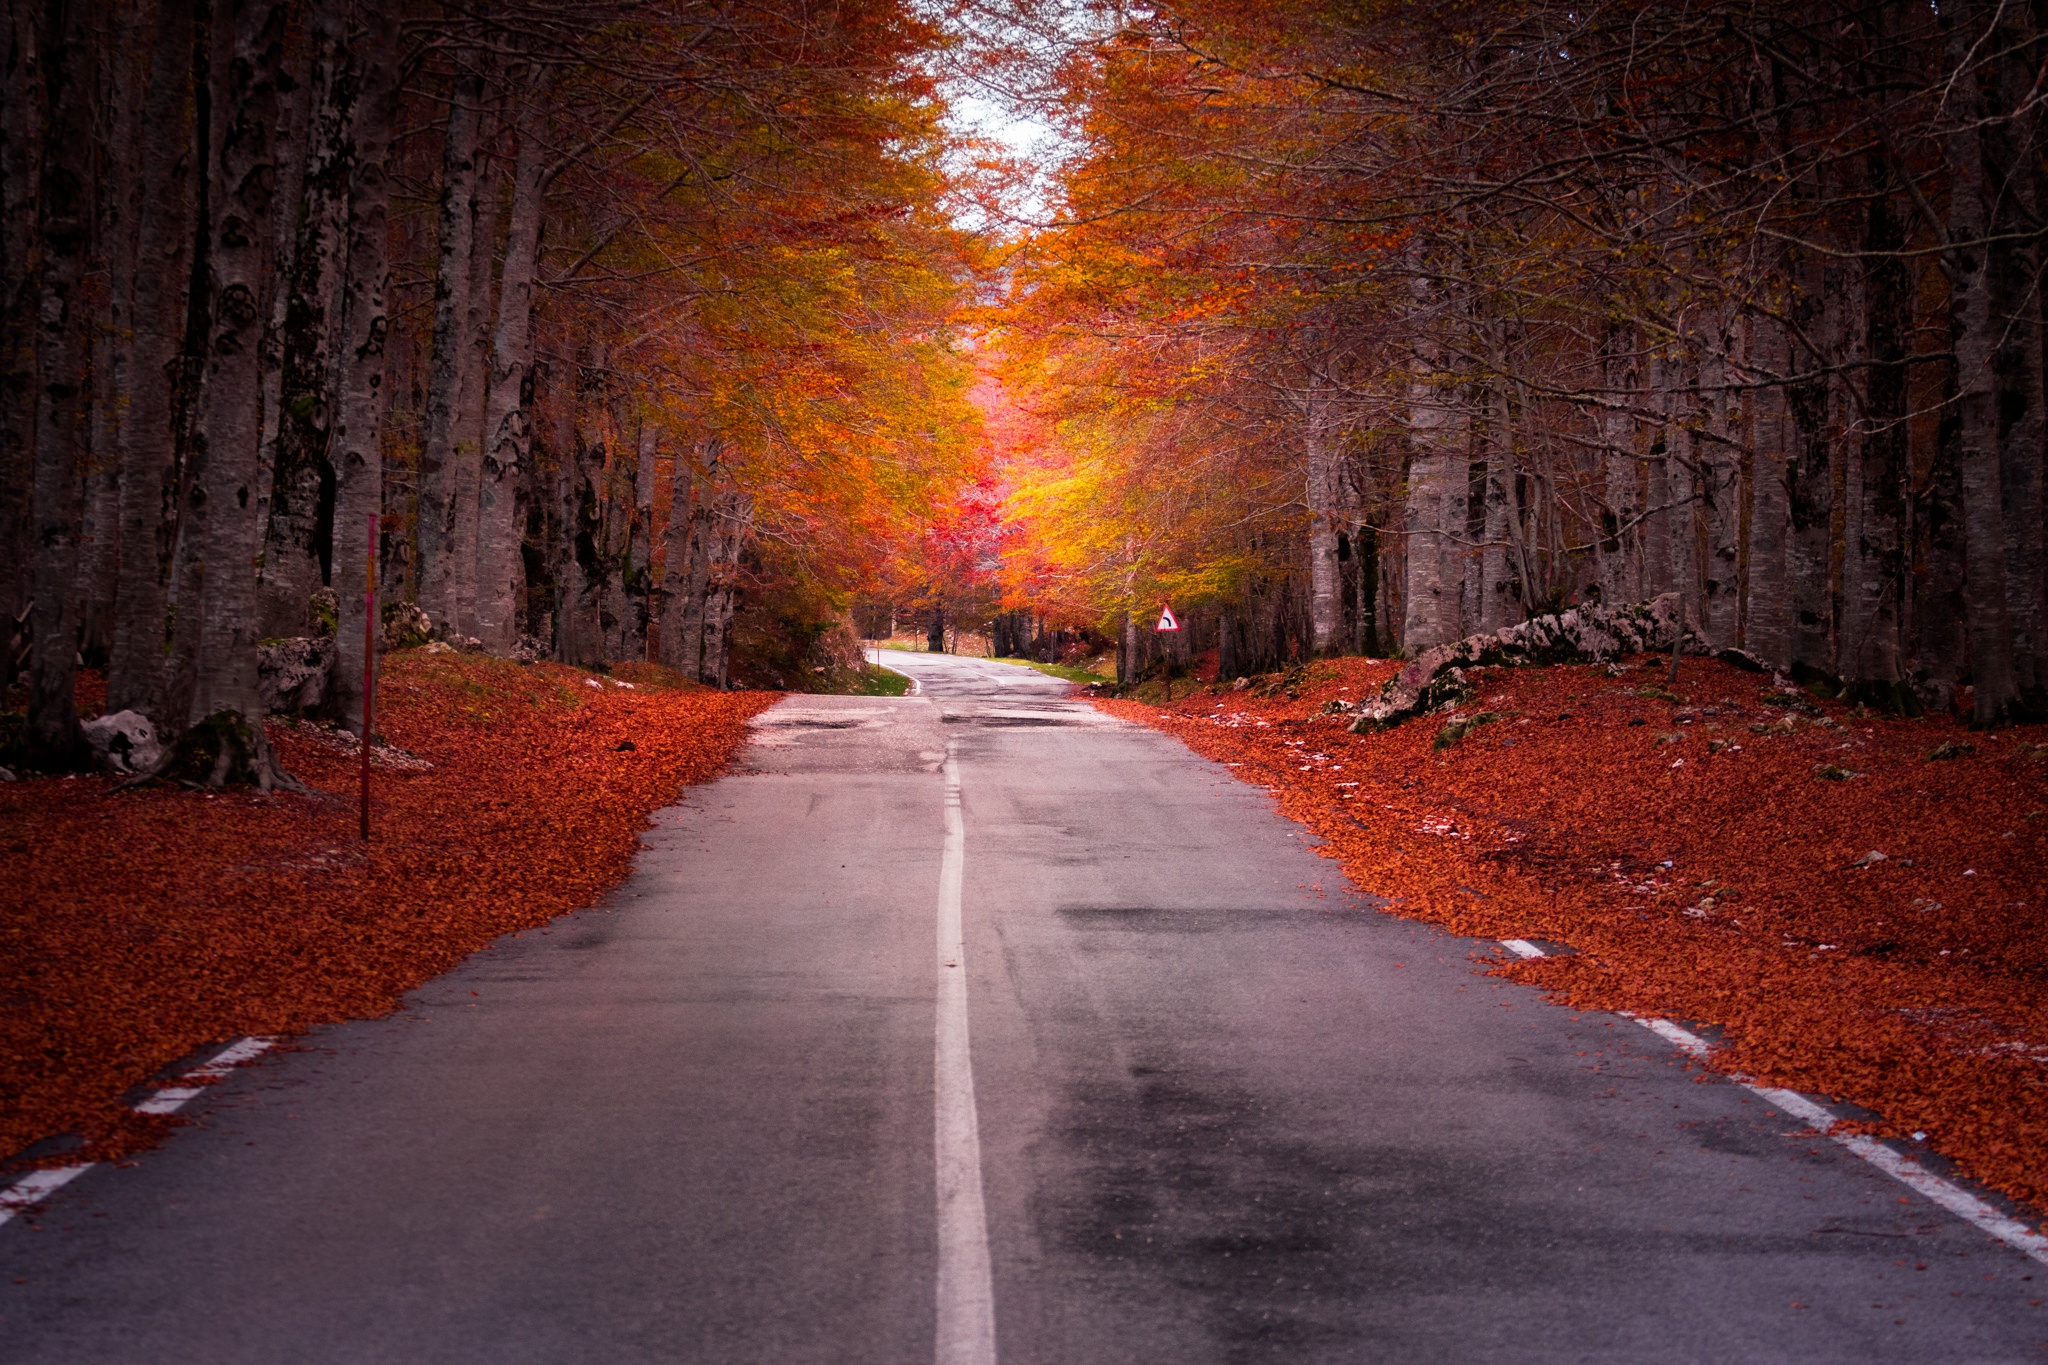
(138, 926)
(1856, 900)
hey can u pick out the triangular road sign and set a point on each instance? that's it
(1166, 621)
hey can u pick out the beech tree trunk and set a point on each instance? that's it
(63, 340)
(148, 505)
(466, 455)
(638, 581)
(508, 424)
(22, 99)
(1323, 457)
(358, 433)
(442, 506)
(1974, 328)
(220, 720)
(682, 514)
(298, 544)
(122, 81)
(1767, 607)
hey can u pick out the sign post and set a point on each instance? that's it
(1167, 622)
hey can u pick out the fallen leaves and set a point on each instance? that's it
(1857, 920)
(137, 926)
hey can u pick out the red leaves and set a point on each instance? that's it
(137, 926)
(1915, 984)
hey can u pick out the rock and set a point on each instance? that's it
(124, 742)
(1948, 748)
(1870, 859)
(467, 644)
(292, 675)
(7, 775)
(1583, 635)
(1743, 660)
(323, 611)
(530, 649)
(406, 625)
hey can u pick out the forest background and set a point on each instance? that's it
(697, 334)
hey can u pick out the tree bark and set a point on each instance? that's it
(298, 544)
(219, 725)
(63, 339)
(1974, 330)
(508, 425)
(682, 513)
(364, 369)
(1767, 606)
(1323, 457)
(149, 431)
(122, 80)
(441, 505)
(22, 103)
(467, 452)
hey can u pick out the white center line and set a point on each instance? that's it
(1899, 1167)
(966, 1295)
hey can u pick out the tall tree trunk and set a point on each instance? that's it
(441, 504)
(1323, 457)
(63, 340)
(1767, 606)
(1721, 466)
(1620, 540)
(122, 80)
(583, 515)
(467, 453)
(675, 576)
(639, 576)
(508, 425)
(22, 101)
(364, 368)
(221, 722)
(1875, 570)
(1810, 472)
(299, 400)
(1975, 326)
(166, 226)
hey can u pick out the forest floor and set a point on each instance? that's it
(1851, 904)
(137, 926)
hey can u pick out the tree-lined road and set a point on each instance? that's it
(1226, 1111)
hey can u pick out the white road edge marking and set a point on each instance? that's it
(37, 1186)
(1901, 1168)
(966, 1293)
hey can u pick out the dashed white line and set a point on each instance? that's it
(171, 1098)
(966, 1294)
(1899, 1167)
(37, 1186)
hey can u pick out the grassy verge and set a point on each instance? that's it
(138, 926)
(1067, 671)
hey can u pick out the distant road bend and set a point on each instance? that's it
(974, 1026)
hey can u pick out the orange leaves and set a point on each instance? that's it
(137, 926)
(1700, 868)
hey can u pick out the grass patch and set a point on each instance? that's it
(1067, 671)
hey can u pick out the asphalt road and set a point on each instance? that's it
(1222, 1109)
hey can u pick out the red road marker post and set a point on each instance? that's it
(369, 662)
